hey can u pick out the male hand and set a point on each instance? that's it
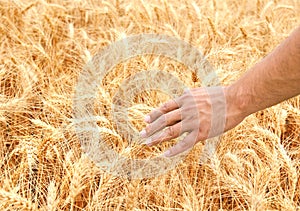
(201, 112)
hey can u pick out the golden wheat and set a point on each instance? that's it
(44, 47)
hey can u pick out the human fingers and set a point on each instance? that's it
(163, 121)
(188, 142)
(163, 109)
(169, 133)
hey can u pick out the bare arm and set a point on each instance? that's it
(274, 79)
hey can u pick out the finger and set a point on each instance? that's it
(163, 109)
(166, 135)
(187, 143)
(163, 121)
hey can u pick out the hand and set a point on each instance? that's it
(201, 112)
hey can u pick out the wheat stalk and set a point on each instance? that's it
(44, 46)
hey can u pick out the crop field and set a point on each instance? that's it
(44, 47)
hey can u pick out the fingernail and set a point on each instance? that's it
(167, 153)
(143, 133)
(148, 141)
(147, 119)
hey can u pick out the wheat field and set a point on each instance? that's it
(46, 43)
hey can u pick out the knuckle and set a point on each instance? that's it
(162, 120)
(184, 96)
(169, 118)
(164, 108)
(187, 109)
(171, 132)
(154, 114)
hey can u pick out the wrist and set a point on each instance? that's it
(238, 101)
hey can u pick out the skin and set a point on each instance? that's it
(274, 79)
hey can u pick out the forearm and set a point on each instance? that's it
(273, 80)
